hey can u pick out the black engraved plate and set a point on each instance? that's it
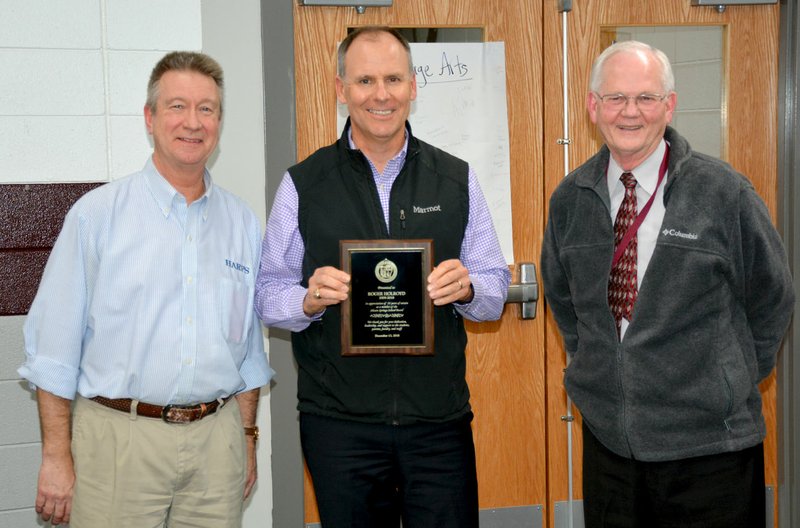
(388, 310)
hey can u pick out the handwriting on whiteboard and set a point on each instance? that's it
(450, 69)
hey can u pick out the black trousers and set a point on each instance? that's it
(372, 475)
(715, 491)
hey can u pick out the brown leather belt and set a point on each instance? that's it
(168, 413)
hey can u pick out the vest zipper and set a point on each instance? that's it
(402, 218)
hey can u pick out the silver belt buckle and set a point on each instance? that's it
(172, 413)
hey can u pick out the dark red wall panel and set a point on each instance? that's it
(31, 216)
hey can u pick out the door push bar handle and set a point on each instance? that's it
(525, 290)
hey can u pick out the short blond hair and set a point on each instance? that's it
(184, 61)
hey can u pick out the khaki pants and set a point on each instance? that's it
(141, 472)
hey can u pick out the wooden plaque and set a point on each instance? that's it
(388, 311)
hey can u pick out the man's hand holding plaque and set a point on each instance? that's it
(449, 282)
(326, 287)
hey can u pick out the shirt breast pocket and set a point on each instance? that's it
(236, 309)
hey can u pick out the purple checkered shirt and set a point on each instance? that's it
(279, 295)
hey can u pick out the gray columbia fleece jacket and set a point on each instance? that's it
(712, 310)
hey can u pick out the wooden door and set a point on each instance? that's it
(505, 358)
(750, 101)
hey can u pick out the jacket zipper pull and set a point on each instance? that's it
(403, 218)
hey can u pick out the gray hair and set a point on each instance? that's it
(371, 31)
(184, 61)
(631, 46)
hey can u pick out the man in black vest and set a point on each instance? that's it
(385, 437)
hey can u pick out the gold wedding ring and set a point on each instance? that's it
(459, 284)
(316, 294)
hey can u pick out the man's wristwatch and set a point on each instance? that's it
(252, 431)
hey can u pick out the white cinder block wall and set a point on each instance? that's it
(71, 96)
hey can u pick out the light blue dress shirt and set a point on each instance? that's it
(146, 298)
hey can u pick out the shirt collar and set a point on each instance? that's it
(165, 194)
(400, 157)
(646, 173)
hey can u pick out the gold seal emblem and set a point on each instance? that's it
(386, 271)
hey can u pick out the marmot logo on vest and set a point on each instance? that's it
(679, 234)
(431, 209)
(237, 266)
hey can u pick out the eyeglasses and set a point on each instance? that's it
(618, 101)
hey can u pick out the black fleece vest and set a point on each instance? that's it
(338, 200)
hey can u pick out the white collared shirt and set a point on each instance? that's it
(646, 175)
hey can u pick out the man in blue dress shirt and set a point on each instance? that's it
(142, 342)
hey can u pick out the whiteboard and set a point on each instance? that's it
(461, 108)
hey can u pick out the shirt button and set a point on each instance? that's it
(189, 279)
(189, 320)
(189, 238)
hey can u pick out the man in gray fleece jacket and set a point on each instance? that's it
(673, 426)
